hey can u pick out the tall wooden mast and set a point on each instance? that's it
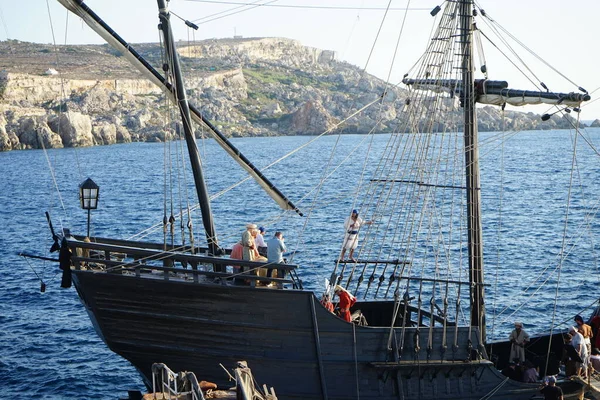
(475, 242)
(184, 109)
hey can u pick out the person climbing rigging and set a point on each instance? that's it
(352, 226)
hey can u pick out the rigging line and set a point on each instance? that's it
(529, 50)
(4, 24)
(333, 128)
(524, 291)
(588, 224)
(370, 195)
(390, 159)
(480, 52)
(184, 165)
(356, 21)
(563, 244)
(318, 191)
(579, 312)
(312, 6)
(200, 20)
(534, 83)
(425, 54)
(499, 226)
(204, 21)
(424, 137)
(376, 37)
(165, 119)
(50, 166)
(402, 25)
(53, 175)
(172, 55)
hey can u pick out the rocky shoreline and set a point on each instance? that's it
(75, 96)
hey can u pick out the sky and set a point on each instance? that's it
(563, 34)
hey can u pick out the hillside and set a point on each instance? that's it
(246, 87)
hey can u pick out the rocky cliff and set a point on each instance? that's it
(70, 96)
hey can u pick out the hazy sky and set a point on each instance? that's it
(566, 34)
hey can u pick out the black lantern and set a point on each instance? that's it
(88, 195)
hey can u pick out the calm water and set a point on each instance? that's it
(49, 349)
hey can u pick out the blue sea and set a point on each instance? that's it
(49, 349)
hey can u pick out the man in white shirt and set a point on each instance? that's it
(578, 343)
(260, 241)
(352, 226)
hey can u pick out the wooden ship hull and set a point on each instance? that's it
(148, 314)
(155, 303)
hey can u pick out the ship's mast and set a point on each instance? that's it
(184, 109)
(475, 243)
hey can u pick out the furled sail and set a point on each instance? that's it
(79, 8)
(497, 92)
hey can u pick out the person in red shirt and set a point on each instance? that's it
(346, 301)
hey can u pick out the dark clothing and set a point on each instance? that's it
(552, 392)
(64, 260)
(512, 373)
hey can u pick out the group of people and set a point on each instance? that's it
(520, 369)
(253, 247)
(581, 355)
(584, 357)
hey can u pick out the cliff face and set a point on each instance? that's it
(247, 87)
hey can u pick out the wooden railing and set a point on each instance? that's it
(117, 256)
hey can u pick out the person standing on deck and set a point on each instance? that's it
(260, 241)
(346, 301)
(578, 343)
(352, 226)
(551, 391)
(275, 249)
(519, 338)
(248, 243)
(326, 302)
(586, 332)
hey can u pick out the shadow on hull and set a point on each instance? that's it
(292, 342)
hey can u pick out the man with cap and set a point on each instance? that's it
(260, 241)
(550, 390)
(352, 226)
(346, 301)
(519, 338)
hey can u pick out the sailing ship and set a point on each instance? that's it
(418, 273)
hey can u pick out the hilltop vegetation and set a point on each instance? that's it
(246, 87)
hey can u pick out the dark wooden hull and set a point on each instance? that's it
(288, 339)
(542, 350)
